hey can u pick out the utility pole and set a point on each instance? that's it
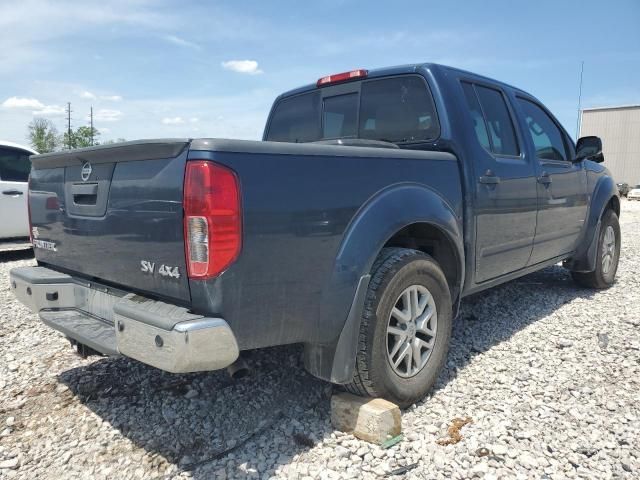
(92, 125)
(579, 101)
(69, 125)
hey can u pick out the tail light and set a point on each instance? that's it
(212, 218)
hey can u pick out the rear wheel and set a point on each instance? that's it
(405, 329)
(607, 255)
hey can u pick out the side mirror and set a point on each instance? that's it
(589, 148)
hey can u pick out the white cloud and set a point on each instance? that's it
(33, 104)
(22, 102)
(242, 66)
(172, 120)
(111, 98)
(194, 119)
(181, 42)
(51, 111)
(108, 115)
(104, 130)
(88, 95)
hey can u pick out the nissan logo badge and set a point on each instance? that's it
(85, 173)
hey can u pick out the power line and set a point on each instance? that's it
(91, 125)
(69, 125)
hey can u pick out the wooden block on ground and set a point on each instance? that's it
(374, 420)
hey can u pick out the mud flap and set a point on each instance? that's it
(336, 362)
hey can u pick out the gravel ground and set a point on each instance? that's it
(548, 373)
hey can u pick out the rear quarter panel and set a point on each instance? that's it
(296, 211)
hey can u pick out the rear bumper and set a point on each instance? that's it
(114, 322)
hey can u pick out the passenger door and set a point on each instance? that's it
(562, 184)
(505, 196)
(14, 174)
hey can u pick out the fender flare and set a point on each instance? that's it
(386, 213)
(584, 259)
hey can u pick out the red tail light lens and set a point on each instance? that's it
(212, 218)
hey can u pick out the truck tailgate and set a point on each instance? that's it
(103, 212)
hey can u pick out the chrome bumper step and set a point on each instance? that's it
(113, 322)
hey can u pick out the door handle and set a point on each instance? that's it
(544, 179)
(489, 178)
(12, 192)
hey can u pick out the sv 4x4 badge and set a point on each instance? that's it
(164, 270)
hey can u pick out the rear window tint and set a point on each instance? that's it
(396, 109)
(339, 116)
(296, 119)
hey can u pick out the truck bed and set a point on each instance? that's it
(299, 204)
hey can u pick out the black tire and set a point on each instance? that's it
(395, 270)
(598, 278)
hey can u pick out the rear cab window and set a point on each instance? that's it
(296, 119)
(397, 109)
(14, 165)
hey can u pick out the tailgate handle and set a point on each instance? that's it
(84, 193)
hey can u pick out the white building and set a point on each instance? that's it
(619, 129)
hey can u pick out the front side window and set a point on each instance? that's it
(395, 109)
(14, 165)
(545, 134)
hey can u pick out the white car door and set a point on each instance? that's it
(14, 174)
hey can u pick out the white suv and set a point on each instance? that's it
(14, 175)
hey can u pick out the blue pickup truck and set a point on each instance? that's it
(376, 201)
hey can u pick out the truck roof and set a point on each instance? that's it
(400, 69)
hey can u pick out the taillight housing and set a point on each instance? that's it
(212, 218)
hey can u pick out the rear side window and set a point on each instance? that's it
(395, 109)
(499, 125)
(398, 109)
(14, 165)
(545, 134)
(476, 115)
(296, 119)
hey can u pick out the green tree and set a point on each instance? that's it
(43, 135)
(82, 137)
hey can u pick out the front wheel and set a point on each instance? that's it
(607, 255)
(405, 328)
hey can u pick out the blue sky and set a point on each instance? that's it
(212, 69)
